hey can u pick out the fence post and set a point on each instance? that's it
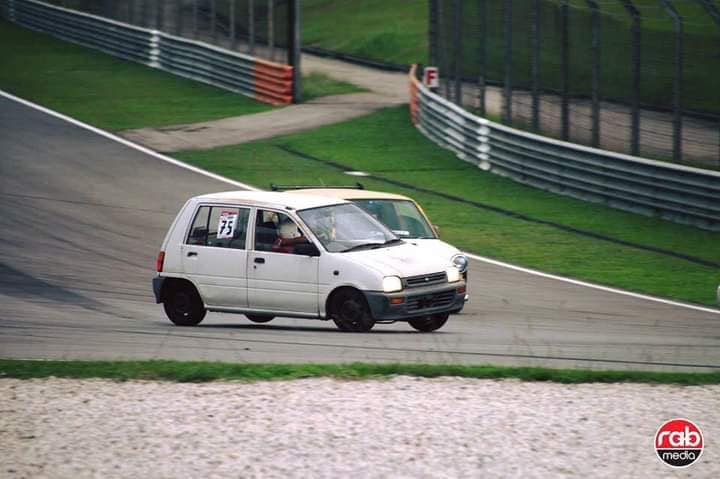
(251, 24)
(565, 69)
(179, 17)
(595, 85)
(715, 14)
(271, 28)
(507, 91)
(233, 32)
(433, 31)
(160, 15)
(213, 21)
(482, 20)
(294, 46)
(458, 51)
(535, 65)
(195, 18)
(635, 64)
(677, 79)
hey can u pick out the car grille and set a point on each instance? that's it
(425, 301)
(425, 279)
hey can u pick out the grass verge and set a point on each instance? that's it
(116, 94)
(315, 85)
(386, 145)
(214, 371)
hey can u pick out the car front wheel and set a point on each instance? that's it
(351, 312)
(430, 323)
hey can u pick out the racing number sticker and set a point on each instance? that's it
(226, 224)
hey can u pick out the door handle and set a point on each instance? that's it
(259, 260)
(192, 253)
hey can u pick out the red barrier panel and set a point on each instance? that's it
(414, 95)
(273, 82)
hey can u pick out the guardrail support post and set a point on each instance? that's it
(595, 86)
(507, 91)
(635, 64)
(294, 31)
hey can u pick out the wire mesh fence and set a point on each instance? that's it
(633, 76)
(257, 27)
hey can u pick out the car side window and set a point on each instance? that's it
(277, 232)
(199, 229)
(220, 226)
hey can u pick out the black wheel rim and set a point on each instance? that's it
(182, 304)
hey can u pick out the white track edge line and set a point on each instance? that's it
(125, 142)
(214, 176)
(591, 285)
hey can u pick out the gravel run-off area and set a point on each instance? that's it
(398, 427)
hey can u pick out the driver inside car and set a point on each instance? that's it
(288, 236)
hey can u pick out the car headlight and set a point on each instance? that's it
(392, 284)
(453, 275)
(460, 261)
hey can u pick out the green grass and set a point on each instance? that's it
(105, 91)
(386, 145)
(393, 32)
(115, 94)
(315, 85)
(207, 371)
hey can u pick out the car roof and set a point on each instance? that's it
(270, 199)
(350, 194)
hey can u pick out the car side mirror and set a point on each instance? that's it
(306, 248)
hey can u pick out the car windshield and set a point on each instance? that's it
(401, 216)
(345, 227)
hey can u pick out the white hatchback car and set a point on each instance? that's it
(266, 254)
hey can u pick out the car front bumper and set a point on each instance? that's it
(417, 302)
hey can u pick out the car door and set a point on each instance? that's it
(214, 255)
(280, 278)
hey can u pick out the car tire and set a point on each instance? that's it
(428, 324)
(183, 305)
(351, 313)
(259, 318)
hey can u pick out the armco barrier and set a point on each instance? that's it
(263, 80)
(670, 191)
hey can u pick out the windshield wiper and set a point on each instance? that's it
(360, 246)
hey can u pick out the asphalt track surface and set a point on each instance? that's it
(82, 218)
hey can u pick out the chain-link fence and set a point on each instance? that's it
(258, 27)
(633, 76)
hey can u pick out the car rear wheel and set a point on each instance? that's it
(184, 306)
(259, 318)
(351, 313)
(430, 323)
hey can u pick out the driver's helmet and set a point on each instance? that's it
(289, 230)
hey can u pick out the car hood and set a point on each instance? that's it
(408, 259)
(435, 246)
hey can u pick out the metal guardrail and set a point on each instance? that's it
(669, 191)
(263, 80)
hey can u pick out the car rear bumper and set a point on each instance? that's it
(157, 283)
(417, 302)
